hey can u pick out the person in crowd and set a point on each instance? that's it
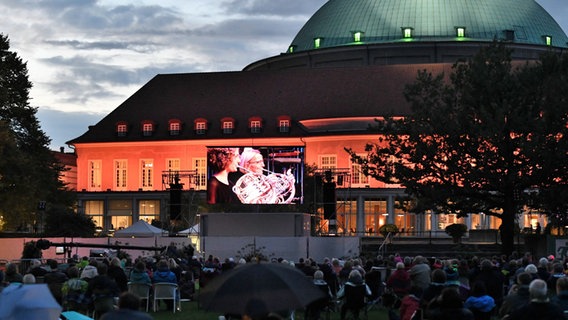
(128, 304)
(73, 292)
(220, 188)
(164, 274)
(557, 273)
(518, 295)
(83, 263)
(493, 279)
(420, 273)
(543, 271)
(399, 281)
(55, 279)
(11, 275)
(90, 270)
(539, 306)
(139, 274)
(561, 297)
(28, 279)
(102, 290)
(175, 267)
(435, 287)
(315, 308)
(448, 306)
(410, 304)
(479, 302)
(36, 269)
(354, 292)
(116, 272)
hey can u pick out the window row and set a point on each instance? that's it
(408, 33)
(201, 126)
(143, 175)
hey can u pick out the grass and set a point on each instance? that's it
(189, 310)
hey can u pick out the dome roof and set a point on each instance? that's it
(384, 21)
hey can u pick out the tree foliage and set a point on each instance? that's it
(490, 137)
(29, 172)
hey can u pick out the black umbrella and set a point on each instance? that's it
(258, 289)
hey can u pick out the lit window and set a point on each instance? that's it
(121, 174)
(147, 129)
(200, 127)
(200, 178)
(284, 126)
(357, 36)
(292, 48)
(175, 128)
(228, 127)
(460, 32)
(95, 175)
(548, 40)
(121, 130)
(317, 42)
(146, 171)
(407, 32)
(255, 126)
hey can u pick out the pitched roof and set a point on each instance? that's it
(302, 94)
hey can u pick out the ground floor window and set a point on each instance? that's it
(95, 210)
(149, 210)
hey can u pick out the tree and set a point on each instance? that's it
(479, 140)
(63, 222)
(29, 172)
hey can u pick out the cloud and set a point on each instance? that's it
(64, 126)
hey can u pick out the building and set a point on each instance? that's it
(346, 67)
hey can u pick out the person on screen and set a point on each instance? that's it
(219, 187)
(251, 161)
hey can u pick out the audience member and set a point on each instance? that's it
(128, 305)
(518, 295)
(480, 303)
(539, 306)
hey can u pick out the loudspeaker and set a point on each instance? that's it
(175, 201)
(329, 202)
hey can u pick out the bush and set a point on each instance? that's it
(456, 230)
(386, 228)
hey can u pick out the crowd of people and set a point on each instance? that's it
(498, 287)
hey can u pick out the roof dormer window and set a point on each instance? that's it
(121, 129)
(407, 32)
(284, 124)
(460, 32)
(227, 125)
(147, 128)
(255, 124)
(547, 40)
(292, 48)
(358, 36)
(200, 126)
(174, 127)
(318, 42)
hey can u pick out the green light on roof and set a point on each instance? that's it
(317, 42)
(357, 36)
(460, 32)
(407, 32)
(548, 40)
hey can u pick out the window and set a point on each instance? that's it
(292, 48)
(200, 126)
(547, 40)
(121, 129)
(317, 42)
(146, 171)
(509, 35)
(200, 179)
(284, 126)
(175, 127)
(460, 32)
(95, 175)
(327, 161)
(357, 176)
(173, 165)
(149, 210)
(120, 175)
(95, 210)
(147, 129)
(357, 36)
(407, 32)
(255, 126)
(228, 127)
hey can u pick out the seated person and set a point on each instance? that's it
(354, 292)
(128, 304)
(73, 292)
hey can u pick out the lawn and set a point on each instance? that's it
(191, 311)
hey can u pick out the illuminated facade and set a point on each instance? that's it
(346, 67)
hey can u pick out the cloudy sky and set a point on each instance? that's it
(85, 57)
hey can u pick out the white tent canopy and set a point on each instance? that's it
(190, 231)
(140, 229)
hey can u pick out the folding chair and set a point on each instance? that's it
(142, 290)
(166, 291)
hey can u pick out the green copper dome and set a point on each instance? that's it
(385, 21)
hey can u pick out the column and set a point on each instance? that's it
(390, 209)
(360, 215)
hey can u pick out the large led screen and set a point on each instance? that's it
(255, 175)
